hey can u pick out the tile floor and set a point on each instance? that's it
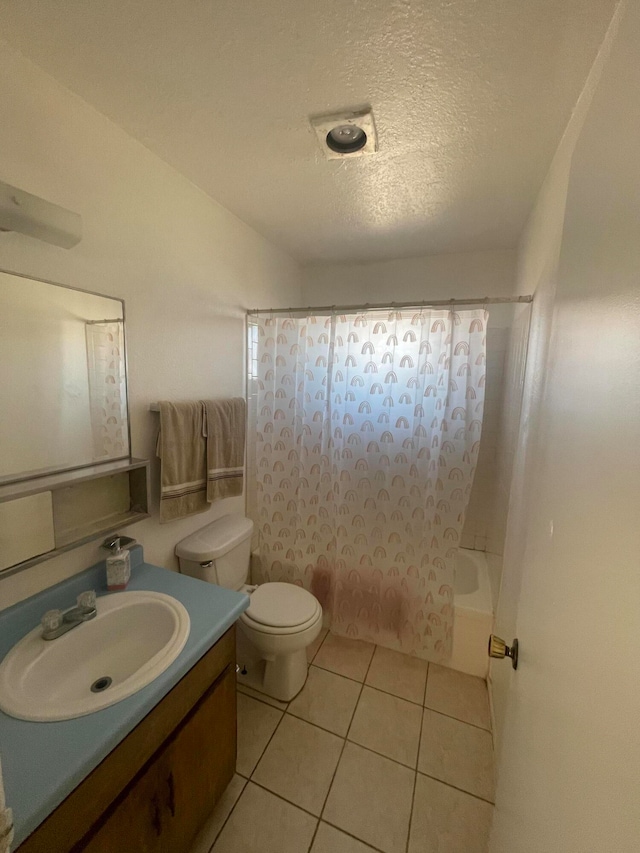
(379, 752)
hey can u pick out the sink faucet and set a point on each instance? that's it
(55, 623)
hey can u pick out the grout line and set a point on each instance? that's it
(351, 835)
(344, 744)
(341, 674)
(315, 654)
(465, 722)
(456, 788)
(389, 693)
(345, 739)
(266, 747)
(284, 799)
(415, 778)
(242, 688)
(231, 811)
(317, 725)
(373, 686)
(313, 837)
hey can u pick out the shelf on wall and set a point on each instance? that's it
(86, 504)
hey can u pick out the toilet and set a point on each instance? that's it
(281, 621)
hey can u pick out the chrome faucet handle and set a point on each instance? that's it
(87, 599)
(51, 620)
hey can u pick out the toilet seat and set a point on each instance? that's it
(281, 608)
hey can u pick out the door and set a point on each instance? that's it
(570, 752)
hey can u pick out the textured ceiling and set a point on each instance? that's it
(470, 98)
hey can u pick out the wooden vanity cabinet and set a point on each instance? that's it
(153, 793)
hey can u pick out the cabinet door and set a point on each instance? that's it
(164, 807)
(139, 821)
(202, 759)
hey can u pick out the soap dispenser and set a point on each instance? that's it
(118, 567)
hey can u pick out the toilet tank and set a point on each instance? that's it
(218, 553)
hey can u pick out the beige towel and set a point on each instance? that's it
(182, 447)
(226, 429)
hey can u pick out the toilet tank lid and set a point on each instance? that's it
(216, 539)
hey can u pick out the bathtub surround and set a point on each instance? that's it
(368, 431)
(474, 609)
(186, 267)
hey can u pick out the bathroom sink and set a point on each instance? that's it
(134, 637)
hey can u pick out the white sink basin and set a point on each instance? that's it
(134, 637)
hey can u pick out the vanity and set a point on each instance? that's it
(144, 773)
(107, 741)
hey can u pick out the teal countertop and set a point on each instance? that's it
(43, 762)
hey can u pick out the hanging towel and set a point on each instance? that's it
(226, 429)
(6, 821)
(182, 448)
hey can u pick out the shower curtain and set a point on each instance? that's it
(107, 388)
(367, 433)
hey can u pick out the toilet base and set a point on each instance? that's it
(284, 677)
(281, 678)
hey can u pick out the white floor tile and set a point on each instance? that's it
(327, 700)
(256, 723)
(457, 753)
(458, 695)
(263, 823)
(388, 725)
(403, 675)
(371, 798)
(299, 763)
(448, 821)
(347, 657)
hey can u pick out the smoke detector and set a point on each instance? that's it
(343, 135)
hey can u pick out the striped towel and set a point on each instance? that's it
(226, 432)
(182, 448)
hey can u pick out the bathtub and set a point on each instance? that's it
(473, 614)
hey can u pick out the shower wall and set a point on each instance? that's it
(483, 498)
(508, 414)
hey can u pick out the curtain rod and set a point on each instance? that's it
(367, 306)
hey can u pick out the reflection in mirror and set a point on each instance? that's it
(63, 390)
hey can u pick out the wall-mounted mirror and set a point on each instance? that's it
(63, 385)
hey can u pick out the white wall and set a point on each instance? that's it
(571, 587)
(186, 267)
(474, 274)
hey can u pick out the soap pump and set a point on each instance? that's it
(118, 566)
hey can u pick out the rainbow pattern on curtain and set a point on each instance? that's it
(367, 435)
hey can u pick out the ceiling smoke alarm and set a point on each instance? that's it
(344, 135)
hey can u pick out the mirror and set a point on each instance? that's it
(63, 385)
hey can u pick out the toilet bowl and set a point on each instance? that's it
(281, 621)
